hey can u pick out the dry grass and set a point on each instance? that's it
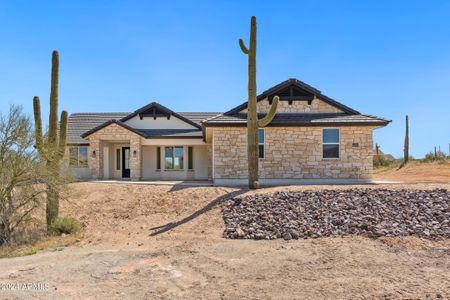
(49, 242)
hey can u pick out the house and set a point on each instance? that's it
(312, 137)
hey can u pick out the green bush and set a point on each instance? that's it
(65, 225)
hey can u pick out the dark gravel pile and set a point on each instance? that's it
(311, 214)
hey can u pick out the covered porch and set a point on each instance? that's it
(120, 153)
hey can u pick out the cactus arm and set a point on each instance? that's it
(271, 114)
(38, 125)
(53, 118)
(63, 133)
(243, 47)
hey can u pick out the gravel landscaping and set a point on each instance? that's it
(312, 214)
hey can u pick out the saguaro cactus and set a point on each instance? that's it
(51, 151)
(406, 147)
(252, 117)
(377, 149)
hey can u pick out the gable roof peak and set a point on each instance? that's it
(310, 90)
(155, 106)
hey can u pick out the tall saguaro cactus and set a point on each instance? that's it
(406, 147)
(252, 116)
(51, 150)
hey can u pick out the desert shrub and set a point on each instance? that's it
(382, 161)
(431, 156)
(20, 195)
(65, 225)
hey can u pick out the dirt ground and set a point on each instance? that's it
(416, 172)
(187, 258)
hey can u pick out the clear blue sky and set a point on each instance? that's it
(384, 58)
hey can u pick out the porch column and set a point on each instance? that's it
(135, 158)
(94, 159)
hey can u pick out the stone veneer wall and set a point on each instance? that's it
(294, 153)
(317, 106)
(114, 133)
(209, 153)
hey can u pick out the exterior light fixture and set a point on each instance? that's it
(134, 153)
(94, 153)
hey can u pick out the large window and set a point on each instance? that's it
(78, 156)
(261, 141)
(174, 158)
(330, 143)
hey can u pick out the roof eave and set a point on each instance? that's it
(315, 124)
(161, 107)
(107, 123)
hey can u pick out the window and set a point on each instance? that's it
(78, 157)
(158, 158)
(117, 159)
(190, 158)
(174, 158)
(261, 141)
(330, 143)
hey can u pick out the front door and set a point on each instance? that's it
(125, 162)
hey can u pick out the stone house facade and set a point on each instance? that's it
(312, 138)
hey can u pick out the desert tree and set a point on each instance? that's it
(252, 116)
(51, 149)
(20, 192)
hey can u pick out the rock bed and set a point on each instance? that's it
(312, 214)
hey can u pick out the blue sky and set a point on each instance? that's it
(384, 58)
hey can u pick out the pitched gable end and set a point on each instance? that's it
(155, 110)
(295, 90)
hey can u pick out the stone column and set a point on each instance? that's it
(135, 158)
(94, 161)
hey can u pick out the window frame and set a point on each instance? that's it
(333, 143)
(173, 158)
(76, 163)
(262, 144)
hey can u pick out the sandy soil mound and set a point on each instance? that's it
(165, 242)
(416, 172)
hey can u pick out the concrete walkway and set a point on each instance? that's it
(157, 182)
(210, 183)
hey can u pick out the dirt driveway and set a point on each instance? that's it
(187, 258)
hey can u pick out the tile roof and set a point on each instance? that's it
(301, 119)
(80, 123)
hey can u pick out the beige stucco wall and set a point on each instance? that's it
(293, 153)
(317, 106)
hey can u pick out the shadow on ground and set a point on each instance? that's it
(171, 225)
(189, 184)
